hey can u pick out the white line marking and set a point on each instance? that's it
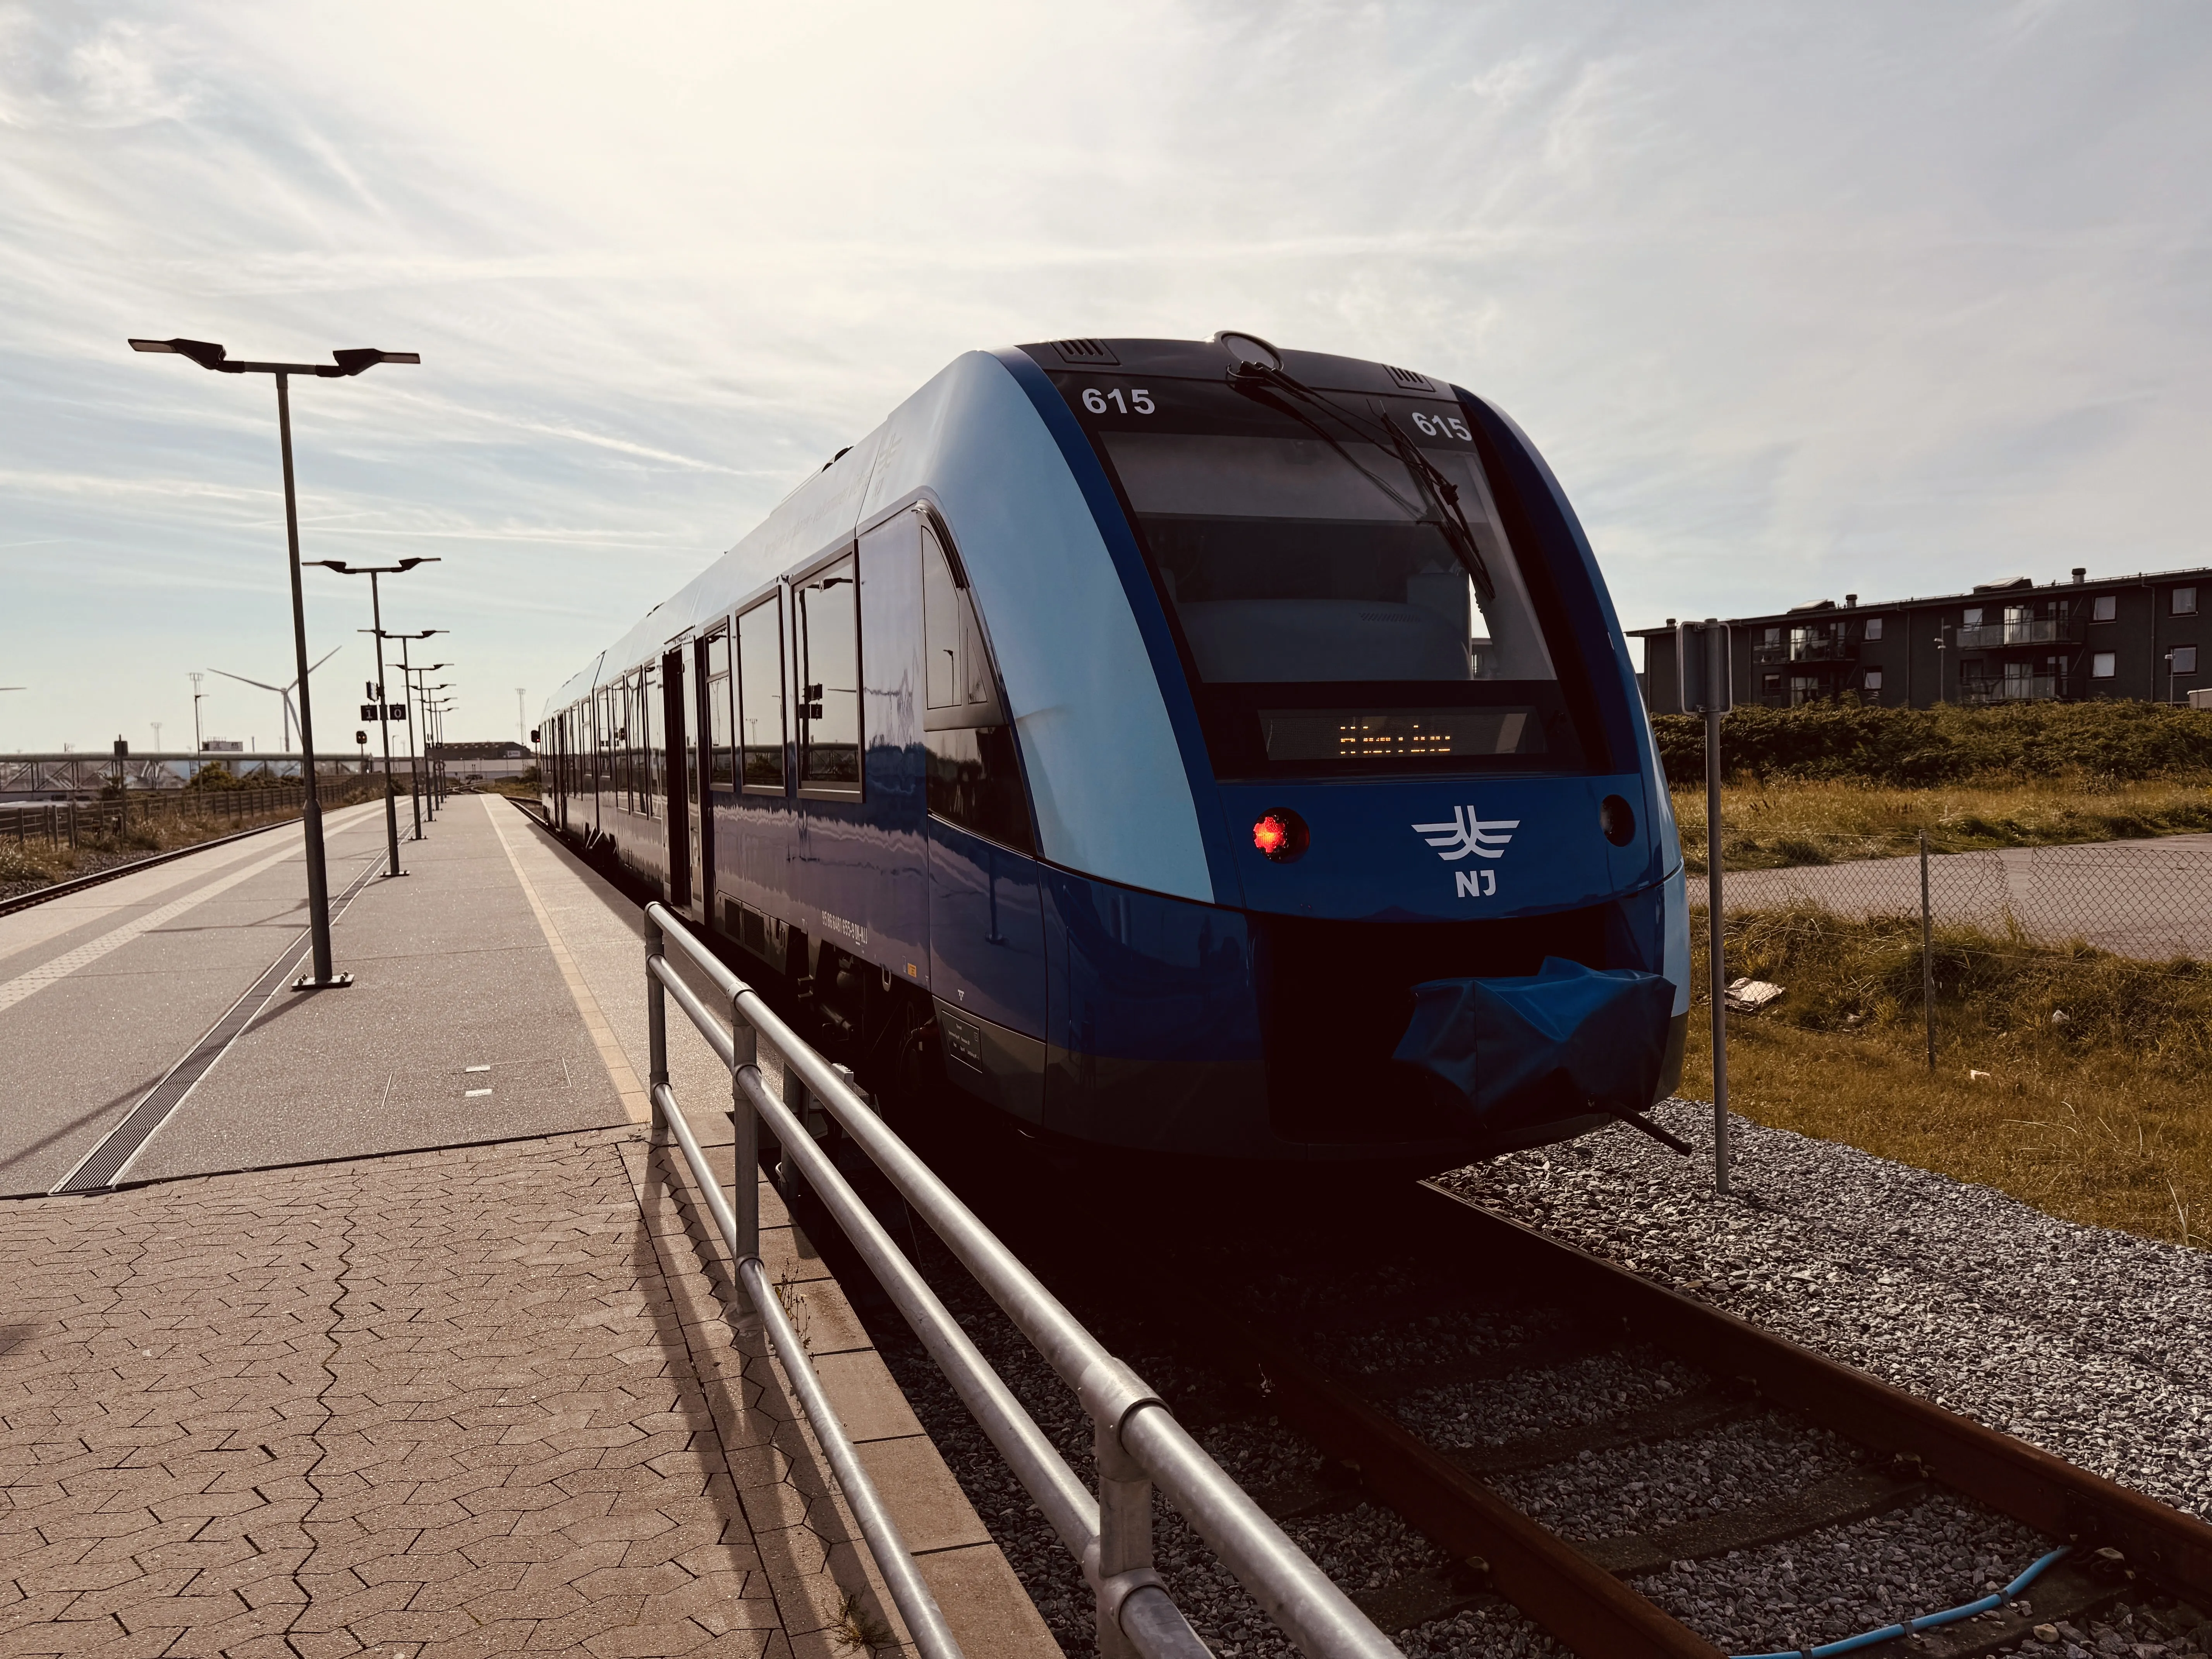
(636, 1101)
(33, 980)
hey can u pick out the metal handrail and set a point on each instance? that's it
(1137, 1440)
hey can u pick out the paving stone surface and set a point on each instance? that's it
(444, 1403)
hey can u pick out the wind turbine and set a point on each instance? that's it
(283, 691)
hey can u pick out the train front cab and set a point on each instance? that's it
(1458, 744)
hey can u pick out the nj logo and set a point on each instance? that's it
(1484, 837)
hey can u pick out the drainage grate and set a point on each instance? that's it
(106, 1161)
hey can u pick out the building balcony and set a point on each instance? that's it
(2017, 688)
(1816, 650)
(2039, 630)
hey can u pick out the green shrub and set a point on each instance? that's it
(1915, 748)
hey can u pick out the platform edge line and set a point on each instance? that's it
(636, 1102)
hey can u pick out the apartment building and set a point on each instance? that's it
(2121, 636)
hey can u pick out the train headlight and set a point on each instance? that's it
(1618, 819)
(1280, 834)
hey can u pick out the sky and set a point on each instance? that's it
(1795, 299)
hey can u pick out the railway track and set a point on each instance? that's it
(2120, 1544)
(117, 871)
(1324, 1364)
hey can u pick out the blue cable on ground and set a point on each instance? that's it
(1926, 1622)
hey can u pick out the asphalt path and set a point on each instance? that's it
(2150, 898)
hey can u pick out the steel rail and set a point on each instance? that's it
(1578, 1601)
(925, 1619)
(117, 871)
(1072, 1510)
(1129, 1419)
(2045, 1492)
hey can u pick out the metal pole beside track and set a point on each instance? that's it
(384, 731)
(311, 810)
(1715, 953)
(1927, 955)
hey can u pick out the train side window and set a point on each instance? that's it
(974, 775)
(760, 695)
(633, 744)
(626, 742)
(609, 753)
(652, 723)
(720, 759)
(603, 727)
(826, 642)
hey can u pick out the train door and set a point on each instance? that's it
(554, 760)
(677, 768)
(987, 953)
(716, 776)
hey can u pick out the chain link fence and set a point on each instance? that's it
(2152, 901)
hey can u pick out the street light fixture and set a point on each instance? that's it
(342, 364)
(434, 711)
(407, 689)
(384, 708)
(432, 733)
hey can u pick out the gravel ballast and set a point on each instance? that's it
(2097, 1346)
(2094, 1344)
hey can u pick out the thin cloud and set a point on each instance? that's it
(1797, 302)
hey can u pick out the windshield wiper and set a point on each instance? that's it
(1278, 390)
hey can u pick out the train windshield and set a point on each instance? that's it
(1340, 603)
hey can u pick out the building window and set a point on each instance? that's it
(2184, 660)
(1874, 627)
(2185, 601)
(2104, 607)
(1973, 618)
(1874, 679)
(1772, 685)
(2104, 664)
(1773, 637)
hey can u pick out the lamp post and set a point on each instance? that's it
(196, 676)
(342, 364)
(433, 734)
(434, 711)
(383, 708)
(407, 691)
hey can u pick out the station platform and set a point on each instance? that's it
(374, 1321)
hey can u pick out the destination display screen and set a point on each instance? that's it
(1373, 735)
(1343, 553)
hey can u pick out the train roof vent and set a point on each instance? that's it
(1406, 377)
(1086, 351)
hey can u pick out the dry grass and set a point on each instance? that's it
(32, 863)
(1784, 822)
(2098, 1117)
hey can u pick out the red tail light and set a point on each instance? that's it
(1280, 834)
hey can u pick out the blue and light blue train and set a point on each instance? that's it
(1188, 747)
